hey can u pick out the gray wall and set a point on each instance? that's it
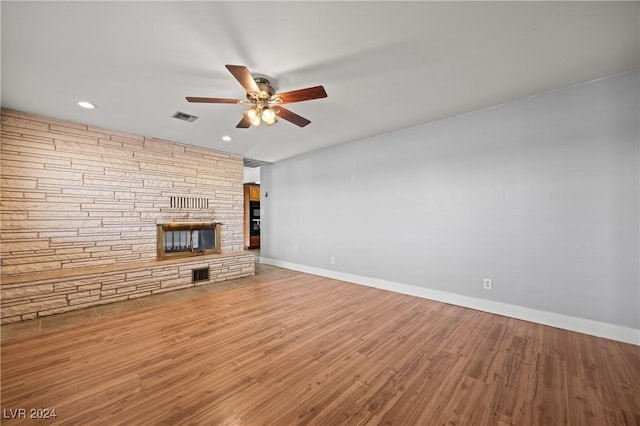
(541, 195)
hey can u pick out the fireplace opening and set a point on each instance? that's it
(188, 239)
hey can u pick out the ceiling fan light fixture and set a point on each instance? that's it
(253, 116)
(268, 116)
(251, 113)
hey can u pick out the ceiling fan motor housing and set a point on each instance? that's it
(265, 87)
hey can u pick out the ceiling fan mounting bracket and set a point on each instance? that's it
(266, 89)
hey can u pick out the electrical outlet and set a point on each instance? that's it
(488, 284)
(332, 260)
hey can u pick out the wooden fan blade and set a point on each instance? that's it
(213, 100)
(244, 123)
(291, 116)
(244, 77)
(300, 95)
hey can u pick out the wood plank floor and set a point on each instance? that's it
(287, 348)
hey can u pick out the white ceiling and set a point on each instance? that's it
(385, 65)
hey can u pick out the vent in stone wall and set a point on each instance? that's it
(201, 274)
(189, 203)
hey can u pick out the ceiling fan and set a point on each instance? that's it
(266, 104)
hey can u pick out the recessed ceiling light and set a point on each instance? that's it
(85, 104)
(226, 138)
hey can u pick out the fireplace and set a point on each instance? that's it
(187, 239)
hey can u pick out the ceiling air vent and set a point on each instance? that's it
(250, 162)
(184, 116)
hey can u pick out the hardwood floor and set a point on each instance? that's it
(286, 348)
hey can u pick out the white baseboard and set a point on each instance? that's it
(566, 322)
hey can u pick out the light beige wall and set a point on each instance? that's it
(75, 197)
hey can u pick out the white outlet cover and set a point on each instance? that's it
(488, 283)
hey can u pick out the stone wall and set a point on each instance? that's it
(78, 198)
